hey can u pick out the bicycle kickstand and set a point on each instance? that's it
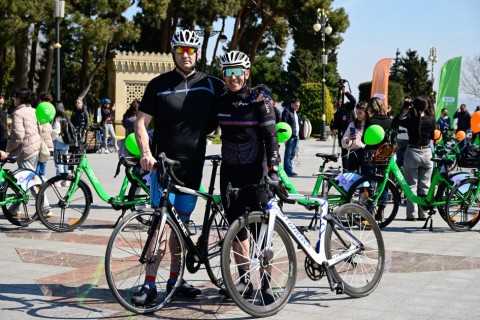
(429, 219)
(120, 218)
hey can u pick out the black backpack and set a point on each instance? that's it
(69, 133)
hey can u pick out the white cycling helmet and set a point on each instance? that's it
(185, 38)
(235, 59)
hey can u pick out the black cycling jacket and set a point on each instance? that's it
(248, 129)
(183, 112)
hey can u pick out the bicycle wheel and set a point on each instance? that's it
(365, 190)
(56, 214)
(278, 275)
(124, 271)
(19, 213)
(217, 228)
(463, 205)
(361, 272)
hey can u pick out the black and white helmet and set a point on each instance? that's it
(235, 59)
(185, 38)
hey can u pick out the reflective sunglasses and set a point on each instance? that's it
(182, 50)
(237, 72)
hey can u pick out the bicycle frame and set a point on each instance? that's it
(166, 207)
(318, 254)
(332, 199)
(8, 177)
(84, 166)
(429, 200)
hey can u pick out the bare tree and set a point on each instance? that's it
(471, 77)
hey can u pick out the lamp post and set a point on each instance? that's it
(323, 26)
(58, 14)
(433, 59)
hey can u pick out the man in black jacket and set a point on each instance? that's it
(342, 118)
(290, 116)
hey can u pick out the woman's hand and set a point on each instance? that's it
(3, 155)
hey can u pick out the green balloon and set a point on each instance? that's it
(374, 135)
(284, 131)
(45, 112)
(132, 146)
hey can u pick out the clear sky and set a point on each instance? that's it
(378, 27)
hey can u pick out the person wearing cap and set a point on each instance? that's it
(108, 115)
(3, 125)
(181, 104)
(249, 153)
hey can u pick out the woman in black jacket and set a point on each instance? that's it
(249, 152)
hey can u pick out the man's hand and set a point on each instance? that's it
(147, 161)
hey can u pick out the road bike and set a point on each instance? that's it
(380, 195)
(18, 191)
(350, 254)
(164, 241)
(332, 184)
(70, 206)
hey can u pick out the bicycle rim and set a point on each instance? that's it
(463, 205)
(217, 228)
(364, 191)
(279, 276)
(55, 214)
(360, 273)
(20, 213)
(126, 274)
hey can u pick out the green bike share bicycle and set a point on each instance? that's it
(332, 184)
(69, 207)
(370, 190)
(18, 191)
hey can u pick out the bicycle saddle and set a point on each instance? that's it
(215, 157)
(329, 157)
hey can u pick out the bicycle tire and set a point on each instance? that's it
(25, 217)
(358, 280)
(126, 274)
(61, 220)
(216, 231)
(463, 205)
(364, 196)
(283, 261)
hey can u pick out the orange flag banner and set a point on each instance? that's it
(380, 80)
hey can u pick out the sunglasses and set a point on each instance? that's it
(237, 72)
(182, 50)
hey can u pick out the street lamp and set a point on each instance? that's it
(433, 59)
(323, 26)
(58, 14)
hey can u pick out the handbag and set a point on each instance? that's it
(44, 154)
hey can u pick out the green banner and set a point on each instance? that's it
(448, 87)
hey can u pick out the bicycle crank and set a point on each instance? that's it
(191, 263)
(314, 270)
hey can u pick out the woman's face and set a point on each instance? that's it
(235, 78)
(361, 114)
